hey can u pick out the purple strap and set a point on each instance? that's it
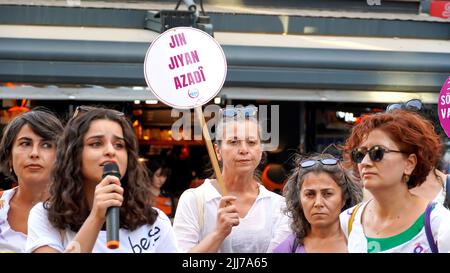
(447, 191)
(428, 232)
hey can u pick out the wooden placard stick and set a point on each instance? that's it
(211, 152)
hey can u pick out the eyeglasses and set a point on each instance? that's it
(325, 161)
(84, 109)
(246, 112)
(412, 105)
(376, 153)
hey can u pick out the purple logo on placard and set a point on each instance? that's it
(444, 107)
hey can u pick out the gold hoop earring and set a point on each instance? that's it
(406, 178)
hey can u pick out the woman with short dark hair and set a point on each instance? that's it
(159, 171)
(27, 156)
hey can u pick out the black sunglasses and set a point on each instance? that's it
(412, 105)
(376, 153)
(246, 112)
(84, 109)
(325, 161)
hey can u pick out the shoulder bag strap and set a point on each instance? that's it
(199, 200)
(351, 219)
(428, 231)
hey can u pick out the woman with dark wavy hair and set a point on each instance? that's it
(394, 152)
(27, 156)
(73, 218)
(317, 191)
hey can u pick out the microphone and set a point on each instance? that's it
(112, 213)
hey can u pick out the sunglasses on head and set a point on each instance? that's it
(376, 153)
(246, 112)
(412, 105)
(325, 161)
(84, 109)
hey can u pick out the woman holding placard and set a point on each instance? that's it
(248, 218)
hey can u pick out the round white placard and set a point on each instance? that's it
(185, 67)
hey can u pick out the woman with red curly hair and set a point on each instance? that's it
(392, 153)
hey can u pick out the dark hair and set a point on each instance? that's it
(67, 205)
(351, 191)
(155, 163)
(411, 132)
(41, 121)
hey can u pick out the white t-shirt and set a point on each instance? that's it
(263, 228)
(10, 240)
(158, 237)
(439, 221)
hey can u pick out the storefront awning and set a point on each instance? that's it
(292, 67)
(99, 93)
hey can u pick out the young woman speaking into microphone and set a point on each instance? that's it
(73, 219)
